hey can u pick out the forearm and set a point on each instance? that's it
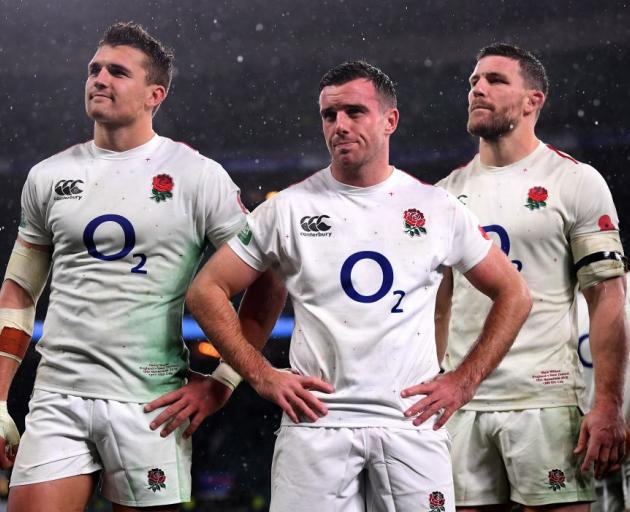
(443, 313)
(508, 313)
(608, 340)
(13, 298)
(213, 311)
(260, 307)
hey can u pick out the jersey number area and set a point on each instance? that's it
(386, 284)
(130, 241)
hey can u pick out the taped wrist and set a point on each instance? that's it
(225, 374)
(16, 329)
(29, 268)
(597, 257)
(8, 430)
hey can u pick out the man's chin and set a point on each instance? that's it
(487, 132)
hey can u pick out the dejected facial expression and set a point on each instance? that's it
(116, 91)
(356, 124)
(497, 97)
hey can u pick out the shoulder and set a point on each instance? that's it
(572, 170)
(312, 184)
(458, 175)
(421, 188)
(191, 162)
(61, 160)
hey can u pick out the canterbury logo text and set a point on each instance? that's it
(68, 187)
(315, 225)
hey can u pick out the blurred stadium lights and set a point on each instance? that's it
(192, 331)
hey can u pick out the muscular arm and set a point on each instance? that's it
(602, 433)
(224, 276)
(17, 309)
(13, 296)
(496, 277)
(443, 312)
(208, 300)
(260, 308)
(203, 395)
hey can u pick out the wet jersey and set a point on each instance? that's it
(127, 230)
(362, 267)
(532, 209)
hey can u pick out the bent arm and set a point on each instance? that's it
(442, 317)
(208, 299)
(496, 278)
(260, 308)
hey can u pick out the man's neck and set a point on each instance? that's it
(364, 176)
(507, 149)
(121, 138)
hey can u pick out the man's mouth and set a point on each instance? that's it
(480, 106)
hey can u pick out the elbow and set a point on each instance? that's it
(526, 299)
(193, 298)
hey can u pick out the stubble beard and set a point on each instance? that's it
(497, 126)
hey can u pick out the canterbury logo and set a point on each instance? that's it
(314, 224)
(68, 187)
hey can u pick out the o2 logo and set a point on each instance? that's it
(505, 241)
(386, 284)
(586, 359)
(130, 241)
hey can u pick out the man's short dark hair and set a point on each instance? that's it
(532, 69)
(159, 65)
(348, 71)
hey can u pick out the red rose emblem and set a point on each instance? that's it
(538, 194)
(556, 479)
(414, 218)
(536, 197)
(436, 501)
(414, 222)
(605, 224)
(162, 183)
(156, 479)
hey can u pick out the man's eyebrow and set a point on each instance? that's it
(489, 74)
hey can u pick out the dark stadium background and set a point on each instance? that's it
(245, 93)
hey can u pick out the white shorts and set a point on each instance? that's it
(68, 435)
(361, 469)
(523, 456)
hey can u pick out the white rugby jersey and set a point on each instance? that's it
(128, 230)
(532, 209)
(362, 268)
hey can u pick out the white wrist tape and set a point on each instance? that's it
(8, 430)
(29, 268)
(225, 374)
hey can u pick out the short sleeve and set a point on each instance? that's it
(257, 244)
(593, 207)
(469, 243)
(223, 210)
(33, 227)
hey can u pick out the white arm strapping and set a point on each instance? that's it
(29, 268)
(602, 246)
